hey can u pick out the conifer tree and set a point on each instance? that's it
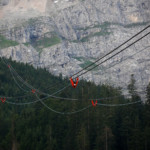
(132, 89)
(148, 94)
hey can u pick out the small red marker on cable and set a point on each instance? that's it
(94, 104)
(74, 85)
(33, 91)
(3, 100)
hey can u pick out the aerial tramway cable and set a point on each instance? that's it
(115, 105)
(80, 110)
(110, 52)
(42, 99)
(113, 55)
(125, 59)
(64, 113)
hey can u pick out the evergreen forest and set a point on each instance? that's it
(101, 127)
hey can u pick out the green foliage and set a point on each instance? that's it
(87, 63)
(136, 24)
(34, 127)
(83, 58)
(148, 94)
(105, 27)
(104, 32)
(4, 43)
(131, 86)
(45, 42)
(79, 58)
(108, 24)
(132, 89)
(26, 44)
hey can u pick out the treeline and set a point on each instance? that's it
(34, 127)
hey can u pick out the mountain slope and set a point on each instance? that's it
(67, 35)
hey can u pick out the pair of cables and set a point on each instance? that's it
(80, 73)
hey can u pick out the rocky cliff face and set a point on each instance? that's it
(66, 35)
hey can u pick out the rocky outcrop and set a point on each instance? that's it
(21, 53)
